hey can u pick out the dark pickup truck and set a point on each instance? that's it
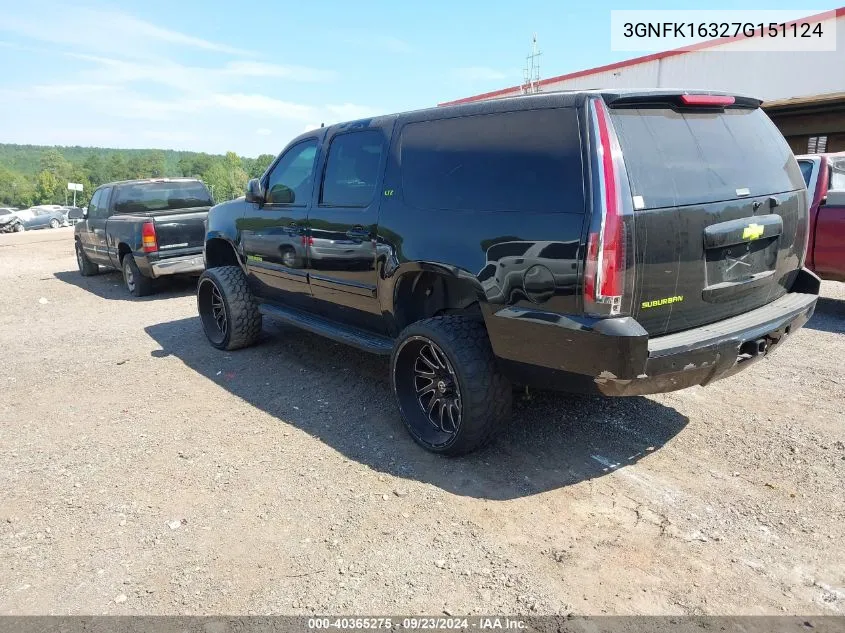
(145, 228)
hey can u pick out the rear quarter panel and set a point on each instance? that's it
(458, 243)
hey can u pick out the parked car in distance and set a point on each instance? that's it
(9, 220)
(43, 216)
(145, 228)
(74, 214)
(825, 178)
(614, 242)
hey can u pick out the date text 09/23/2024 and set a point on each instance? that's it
(417, 623)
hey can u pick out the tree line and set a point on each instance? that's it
(33, 174)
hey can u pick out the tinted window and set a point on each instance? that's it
(291, 179)
(95, 207)
(510, 161)
(678, 158)
(352, 169)
(161, 196)
(806, 170)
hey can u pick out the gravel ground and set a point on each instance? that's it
(143, 471)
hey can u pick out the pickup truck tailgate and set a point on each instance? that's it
(181, 229)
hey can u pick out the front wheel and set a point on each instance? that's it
(20, 228)
(54, 223)
(451, 395)
(227, 308)
(136, 283)
(86, 266)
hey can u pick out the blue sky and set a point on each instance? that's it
(247, 76)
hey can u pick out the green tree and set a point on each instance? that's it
(96, 170)
(79, 175)
(260, 165)
(155, 164)
(116, 168)
(226, 177)
(195, 164)
(48, 188)
(52, 161)
(135, 167)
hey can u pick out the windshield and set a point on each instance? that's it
(679, 158)
(161, 196)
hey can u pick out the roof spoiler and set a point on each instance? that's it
(709, 100)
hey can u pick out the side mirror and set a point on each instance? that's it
(254, 191)
(84, 212)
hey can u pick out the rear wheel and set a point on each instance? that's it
(227, 308)
(54, 223)
(136, 283)
(86, 266)
(289, 257)
(451, 395)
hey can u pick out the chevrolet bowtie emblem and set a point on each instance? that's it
(753, 231)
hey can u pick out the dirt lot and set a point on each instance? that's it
(143, 471)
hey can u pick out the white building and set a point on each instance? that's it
(803, 92)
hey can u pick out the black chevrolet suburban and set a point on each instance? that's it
(618, 242)
(145, 228)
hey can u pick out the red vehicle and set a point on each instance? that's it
(825, 178)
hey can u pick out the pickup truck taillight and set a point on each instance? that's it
(149, 244)
(608, 254)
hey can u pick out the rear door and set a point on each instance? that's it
(720, 211)
(342, 226)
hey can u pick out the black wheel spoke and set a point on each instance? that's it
(426, 388)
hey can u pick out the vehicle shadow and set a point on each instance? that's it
(109, 285)
(829, 316)
(343, 397)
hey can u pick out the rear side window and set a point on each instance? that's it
(352, 169)
(527, 161)
(679, 158)
(806, 170)
(160, 196)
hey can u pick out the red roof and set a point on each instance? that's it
(633, 62)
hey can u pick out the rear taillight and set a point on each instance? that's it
(149, 244)
(608, 258)
(307, 240)
(711, 101)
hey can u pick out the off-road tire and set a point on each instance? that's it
(485, 393)
(87, 268)
(241, 310)
(136, 282)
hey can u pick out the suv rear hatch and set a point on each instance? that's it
(718, 207)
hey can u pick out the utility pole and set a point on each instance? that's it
(531, 73)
